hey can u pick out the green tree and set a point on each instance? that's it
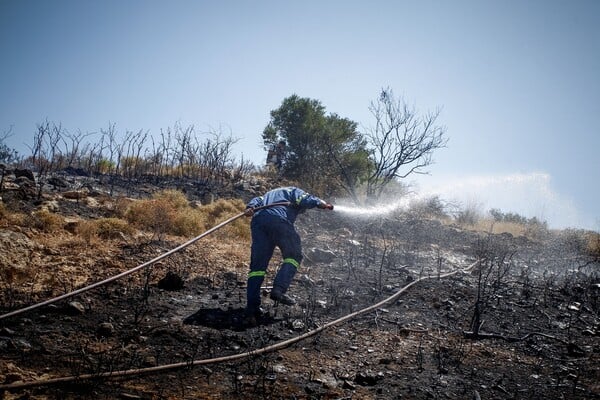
(7, 154)
(324, 152)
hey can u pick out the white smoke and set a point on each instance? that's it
(527, 194)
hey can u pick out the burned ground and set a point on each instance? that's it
(523, 324)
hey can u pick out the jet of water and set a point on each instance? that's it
(376, 210)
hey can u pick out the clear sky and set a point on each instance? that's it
(517, 81)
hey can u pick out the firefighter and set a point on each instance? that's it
(274, 226)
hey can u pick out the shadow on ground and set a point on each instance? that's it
(234, 319)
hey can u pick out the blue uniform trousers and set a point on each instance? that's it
(269, 231)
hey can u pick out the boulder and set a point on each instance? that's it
(318, 256)
(105, 329)
(171, 281)
(25, 173)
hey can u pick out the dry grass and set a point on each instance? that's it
(156, 215)
(169, 212)
(221, 210)
(174, 198)
(45, 221)
(593, 244)
(488, 225)
(18, 219)
(103, 228)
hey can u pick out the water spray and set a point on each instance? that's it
(377, 210)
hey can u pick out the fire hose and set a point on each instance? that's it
(132, 270)
(233, 357)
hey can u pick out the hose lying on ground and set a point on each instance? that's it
(132, 270)
(233, 357)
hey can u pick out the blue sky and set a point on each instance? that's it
(517, 81)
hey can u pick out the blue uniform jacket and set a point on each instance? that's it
(298, 198)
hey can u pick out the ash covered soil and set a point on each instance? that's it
(523, 324)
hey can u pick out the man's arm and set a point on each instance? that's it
(252, 204)
(307, 200)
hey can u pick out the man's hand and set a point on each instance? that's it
(249, 212)
(326, 206)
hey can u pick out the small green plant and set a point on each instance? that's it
(105, 166)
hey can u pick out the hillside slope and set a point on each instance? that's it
(524, 324)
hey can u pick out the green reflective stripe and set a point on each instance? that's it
(253, 274)
(301, 198)
(292, 261)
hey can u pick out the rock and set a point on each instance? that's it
(279, 369)
(348, 385)
(57, 181)
(128, 396)
(574, 350)
(6, 332)
(367, 378)
(230, 276)
(105, 329)
(21, 345)
(270, 377)
(150, 361)
(306, 281)
(75, 194)
(328, 381)
(448, 304)
(51, 206)
(75, 308)
(171, 281)
(75, 171)
(24, 173)
(298, 325)
(15, 251)
(245, 186)
(72, 224)
(316, 255)
(13, 377)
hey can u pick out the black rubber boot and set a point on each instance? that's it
(282, 281)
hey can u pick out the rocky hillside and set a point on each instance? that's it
(524, 323)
